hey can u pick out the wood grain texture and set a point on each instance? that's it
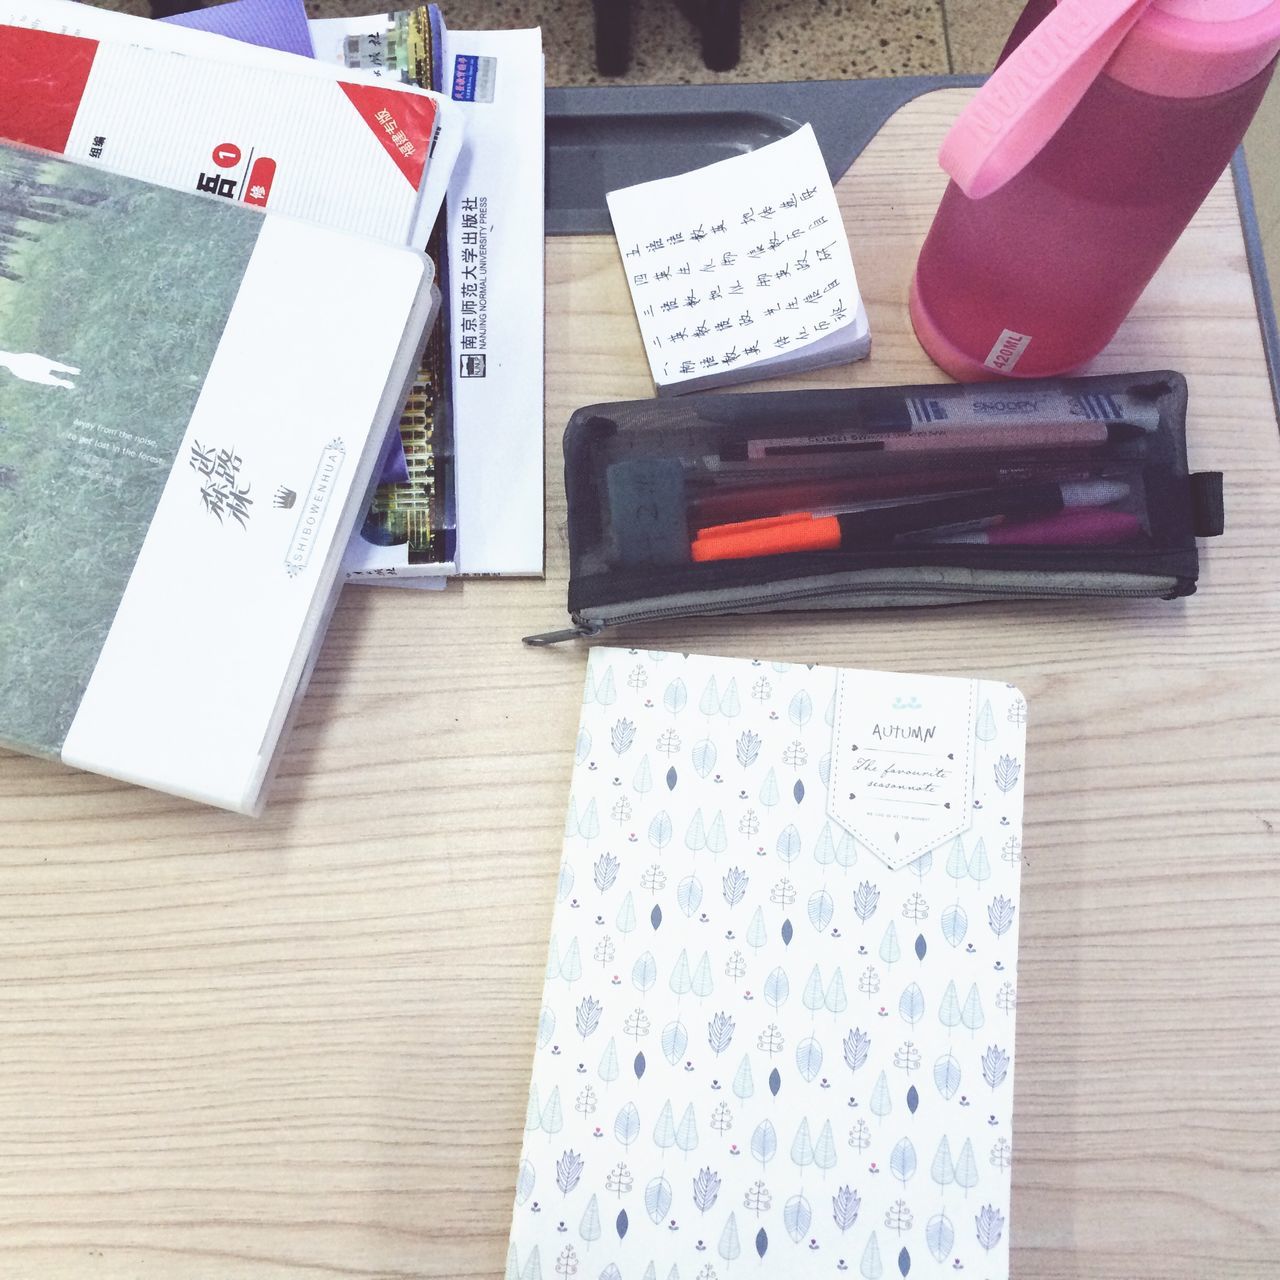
(301, 1046)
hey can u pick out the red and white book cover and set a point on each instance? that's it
(350, 155)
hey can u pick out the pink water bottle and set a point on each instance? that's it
(1075, 168)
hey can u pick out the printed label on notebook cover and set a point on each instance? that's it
(902, 761)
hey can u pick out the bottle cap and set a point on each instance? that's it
(1173, 48)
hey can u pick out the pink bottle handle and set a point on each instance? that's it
(1033, 91)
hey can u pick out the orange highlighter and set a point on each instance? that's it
(878, 524)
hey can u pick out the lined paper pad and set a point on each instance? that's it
(763, 1050)
(738, 262)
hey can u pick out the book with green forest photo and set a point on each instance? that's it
(194, 398)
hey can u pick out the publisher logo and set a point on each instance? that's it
(312, 506)
(1007, 351)
(471, 366)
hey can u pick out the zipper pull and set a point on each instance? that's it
(579, 631)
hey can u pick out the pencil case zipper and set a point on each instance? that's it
(728, 601)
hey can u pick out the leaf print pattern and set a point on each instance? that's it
(732, 1086)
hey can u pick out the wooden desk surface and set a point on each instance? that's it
(300, 1046)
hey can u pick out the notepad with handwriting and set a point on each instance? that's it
(741, 269)
(777, 1035)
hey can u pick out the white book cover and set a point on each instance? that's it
(495, 283)
(777, 1034)
(193, 401)
(349, 153)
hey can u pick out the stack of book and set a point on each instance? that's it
(220, 371)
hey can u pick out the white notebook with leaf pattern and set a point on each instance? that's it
(777, 1036)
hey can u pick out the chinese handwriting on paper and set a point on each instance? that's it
(768, 271)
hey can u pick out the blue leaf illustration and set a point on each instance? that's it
(995, 1066)
(788, 844)
(904, 1261)
(671, 778)
(626, 1128)
(622, 1223)
(1000, 916)
(675, 1040)
(902, 1163)
(583, 747)
(796, 1217)
(764, 1142)
(735, 885)
(568, 1171)
(971, 1015)
(689, 894)
(524, 1181)
(657, 1199)
(775, 1082)
(709, 703)
(921, 946)
(940, 1235)
(787, 933)
(808, 1058)
(606, 870)
(729, 704)
(588, 1016)
(857, 1045)
(687, 1133)
(655, 917)
(943, 1169)
(748, 748)
(913, 1099)
(798, 791)
(990, 1226)
(946, 1075)
(720, 1033)
(704, 757)
(638, 1065)
(911, 1005)
(660, 830)
(706, 1188)
(802, 1146)
(844, 1208)
(955, 924)
(675, 697)
(664, 1132)
(1006, 772)
(865, 900)
(777, 988)
(762, 1242)
(611, 1272)
(644, 973)
(624, 734)
(546, 1027)
(821, 909)
(801, 709)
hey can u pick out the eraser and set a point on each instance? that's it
(648, 511)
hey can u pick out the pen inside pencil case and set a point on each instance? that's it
(1045, 514)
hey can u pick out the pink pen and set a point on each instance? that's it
(1082, 527)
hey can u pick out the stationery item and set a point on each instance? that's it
(741, 270)
(728, 501)
(495, 283)
(878, 524)
(1066, 529)
(1006, 437)
(271, 24)
(1075, 169)
(180, 467)
(639, 490)
(410, 531)
(780, 998)
(349, 155)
